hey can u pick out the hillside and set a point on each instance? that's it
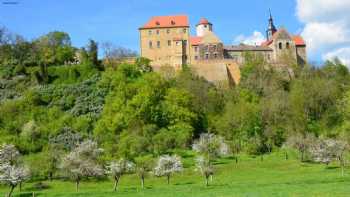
(84, 121)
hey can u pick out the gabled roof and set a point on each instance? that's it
(299, 41)
(195, 40)
(283, 34)
(210, 37)
(167, 21)
(244, 47)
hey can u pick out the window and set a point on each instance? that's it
(269, 57)
(205, 26)
(169, 42)
(196, 57)
(185, 42)
(150, 32)
(287, 45)
(215, 55)
(280, 45)
(206, 56)
(158, 44)
(177, 43)
(168, 31)
(184, 30)
(195, 49)
(214, 47)
(150, 44)
(157, 32)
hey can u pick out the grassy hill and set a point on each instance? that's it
(274, 176)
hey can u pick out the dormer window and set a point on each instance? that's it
(172, 22)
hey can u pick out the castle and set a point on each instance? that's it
(166, 40)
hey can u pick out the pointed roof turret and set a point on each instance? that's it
(271, 28)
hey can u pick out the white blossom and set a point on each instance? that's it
(168, 165)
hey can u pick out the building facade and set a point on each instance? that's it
(166, 40)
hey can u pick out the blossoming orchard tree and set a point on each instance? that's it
(12, 173)
(209, 147)
(168, 165)
(328, 150)
(82, 162)
(116, 169)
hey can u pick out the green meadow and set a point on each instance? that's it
(270, 176)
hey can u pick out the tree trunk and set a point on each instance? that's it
(286, 155)
(20, 186)
(11, 191)
(302, 156)
(77, 185)
(116, 180)
(50, 176)
(236, 159)
(207, 180)
(142, 182)
(168, 179)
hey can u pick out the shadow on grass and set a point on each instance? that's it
(186, 183)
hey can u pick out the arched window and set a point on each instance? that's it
(150, 44)
(287, 45)
(280, 45)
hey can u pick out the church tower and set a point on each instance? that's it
(203, 27)
(271, 29)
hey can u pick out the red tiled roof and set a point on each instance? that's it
(299, 41)
(266, 43)
(195, 40)
(167, 21)
(203, 21)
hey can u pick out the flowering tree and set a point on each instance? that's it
(117, 169)
(328, 150)
(167, 165)
(143, 166)
(11, 172)
(82, 162)
(302, 143)
(209, 147)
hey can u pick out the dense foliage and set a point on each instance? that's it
(48, 108)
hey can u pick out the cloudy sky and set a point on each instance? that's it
(325, 24)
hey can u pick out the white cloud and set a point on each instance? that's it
(255, 39)
(327, 27)
(343, 54)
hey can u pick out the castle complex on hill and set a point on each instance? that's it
(166, 40)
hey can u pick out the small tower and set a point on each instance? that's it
(203, 27)
(271, 29)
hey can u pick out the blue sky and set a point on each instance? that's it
(117, 21)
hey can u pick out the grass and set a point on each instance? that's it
(273, 176)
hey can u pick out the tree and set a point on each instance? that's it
(327, 150)
(301, 142)
(143, 166)
(209, 147)
(168, 165)
(83, 162)
(205, 167)
(12, 173)
(116, 169)
(52, 160)
(93, 52)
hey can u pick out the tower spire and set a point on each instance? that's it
(271, 28)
